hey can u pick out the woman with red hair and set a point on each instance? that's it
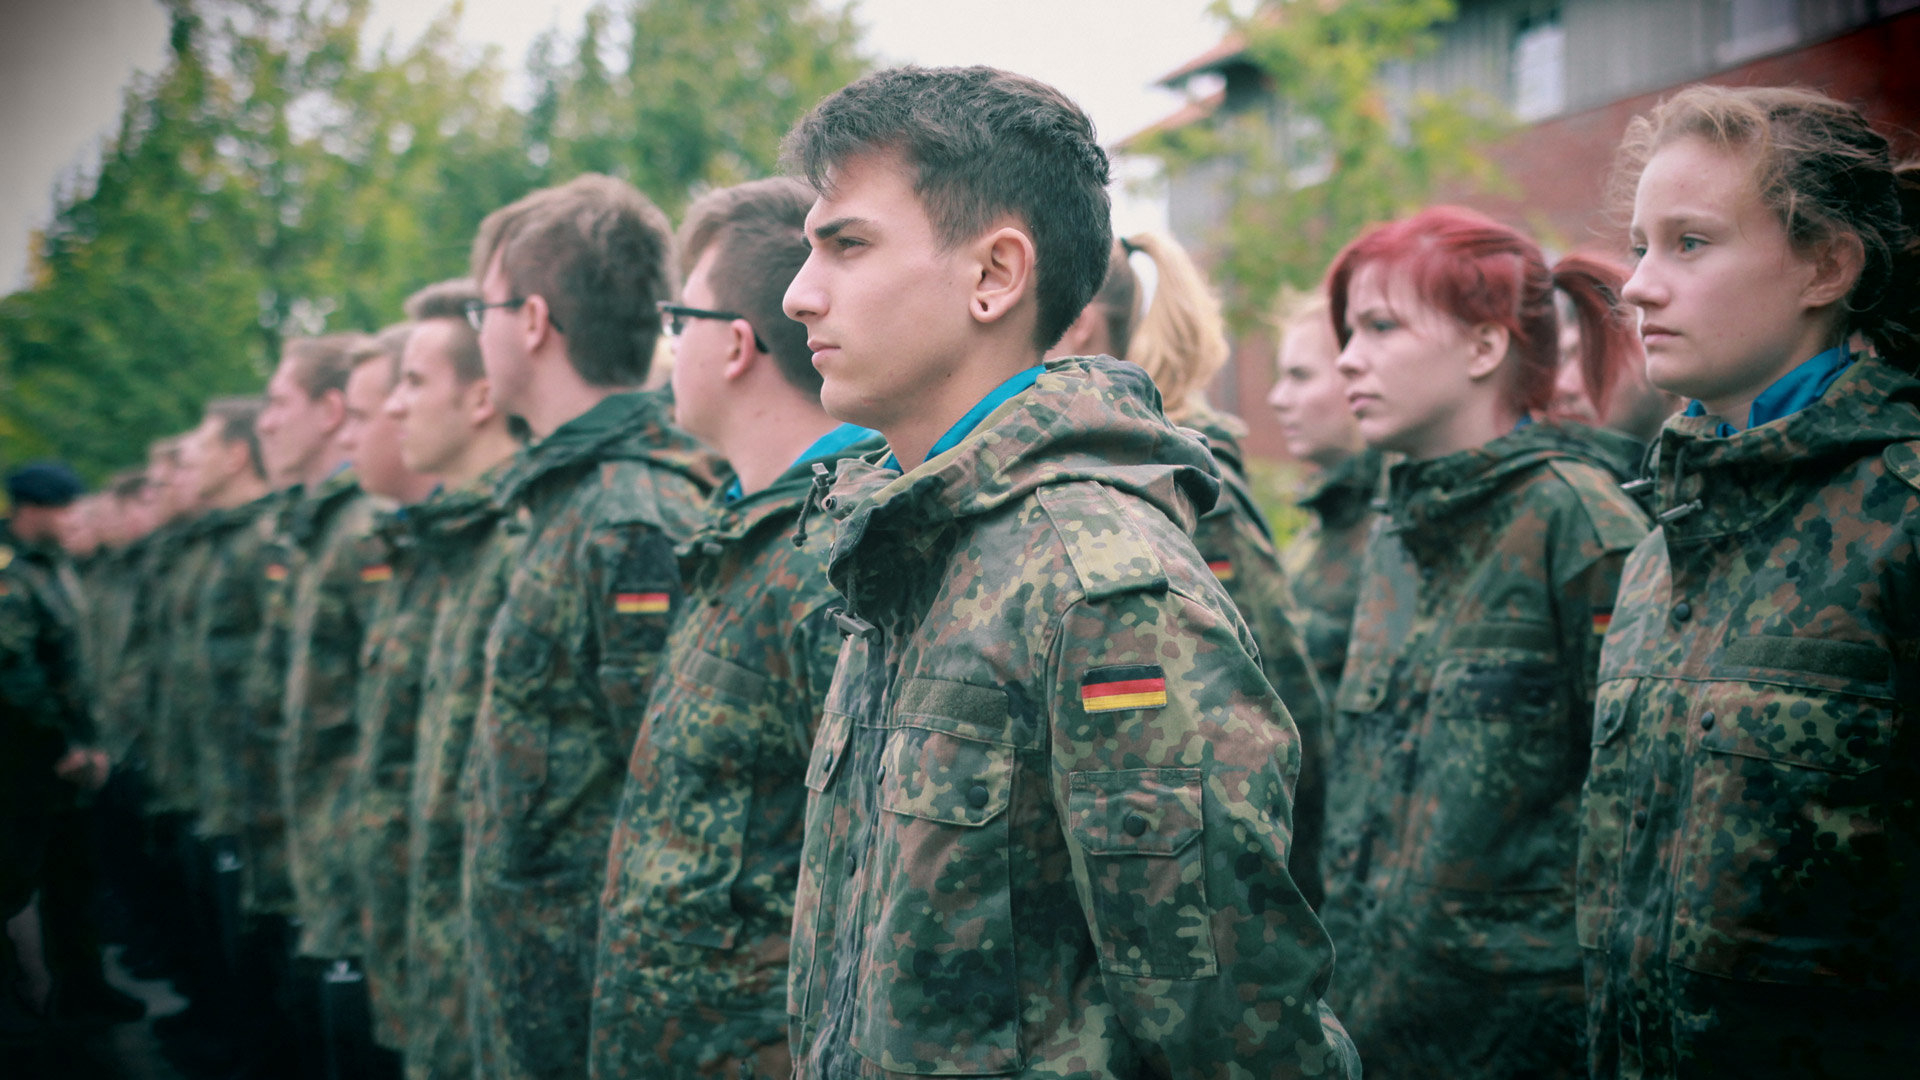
(1465, 710)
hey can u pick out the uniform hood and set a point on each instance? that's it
(624, 427)
(1726, 484)
(1084, 419)
(1339, 496)
(1425, 494)
(306, 517)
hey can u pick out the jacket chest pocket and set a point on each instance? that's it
(524, 664)
(938, 991)
(1140, 833)
(1786, 871)
(1606, 806)
(826, 829)
(691, 801)
(1498, 775)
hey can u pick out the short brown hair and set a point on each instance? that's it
(448, 300)
(758, 234)
(388, 345)
(979, 143)
(321, 364)
(236, 416)
(599, 253)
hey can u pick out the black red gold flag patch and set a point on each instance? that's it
(276, 572)
(1602, 620)
(641, 603)
(1123, 686)
(1222, 568)
(373, 575)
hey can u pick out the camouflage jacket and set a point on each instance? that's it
(463, 534)
(393, 659)
(1323, 559)
(220, 644)
(570, 658)
(116, 585)
(1748, 861)
(341, 574)
(1052, 789)
(178, 694)
(43, 705)
(1234, 539)
(691, 974)
(1460, 742)
(263, 697)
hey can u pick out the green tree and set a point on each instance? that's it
(270, 180)
(708, 90)
(1331, 147)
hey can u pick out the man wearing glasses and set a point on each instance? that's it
(568, 281)
(694, 922)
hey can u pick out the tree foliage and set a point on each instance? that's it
(1335, 147)
(278, 177)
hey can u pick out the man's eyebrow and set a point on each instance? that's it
(836, 226)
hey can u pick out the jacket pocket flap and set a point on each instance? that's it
(1135, 811)
(940, 777)
(829, 746)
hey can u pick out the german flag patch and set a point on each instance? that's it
(1222, 568)
(276, 572)
(373, 575)
(641, 603)
(1602, 620)
(1123, 686)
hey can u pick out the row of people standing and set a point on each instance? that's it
(1619, 779)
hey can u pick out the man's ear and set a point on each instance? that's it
(333, 405)
(1489, 342)
(1005, 261)
(478, 398)
(536, 323)
(1836, 270)
(742, 352)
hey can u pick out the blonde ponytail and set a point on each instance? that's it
(1182, 339)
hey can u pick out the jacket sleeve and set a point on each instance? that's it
(1173, 765)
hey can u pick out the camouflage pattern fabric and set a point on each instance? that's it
(178, 694)
(1051, 794)
(570, 658)
(1747, 895)
(43, 708)
(116, 586)
(339, 580)
(267, 889)
(1460, 739)
(126, 703)
(691, 974)
(463, 533)
(220, 643)
(393, 657)
(1234, 539)
(1323, 559)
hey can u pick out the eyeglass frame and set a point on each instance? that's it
(476, 311)
(673, 316)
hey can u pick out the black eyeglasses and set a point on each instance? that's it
(674, 317)
(477, 312)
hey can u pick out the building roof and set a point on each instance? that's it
(1191, 113)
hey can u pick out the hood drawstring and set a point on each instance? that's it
(1675, 513)
(822, 482)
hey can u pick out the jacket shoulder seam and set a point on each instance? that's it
(1903, 460)
(1615, 525)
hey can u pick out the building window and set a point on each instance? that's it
(1539, 65)
(1756, 27)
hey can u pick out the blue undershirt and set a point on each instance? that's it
(965, 425)
(825, 446)
(1794, 391)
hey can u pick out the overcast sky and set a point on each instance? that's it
(65, 64)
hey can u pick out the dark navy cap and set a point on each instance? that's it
(44, 483)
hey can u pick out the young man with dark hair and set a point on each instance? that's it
(449, 556)
(568, 279)
(697, 911)
(1052, 789)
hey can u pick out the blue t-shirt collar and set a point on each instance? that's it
(825, 446)
(965, 425)
(1791, 393)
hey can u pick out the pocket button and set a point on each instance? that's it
(1707, 721)
(977, 796)
(1135, 825)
